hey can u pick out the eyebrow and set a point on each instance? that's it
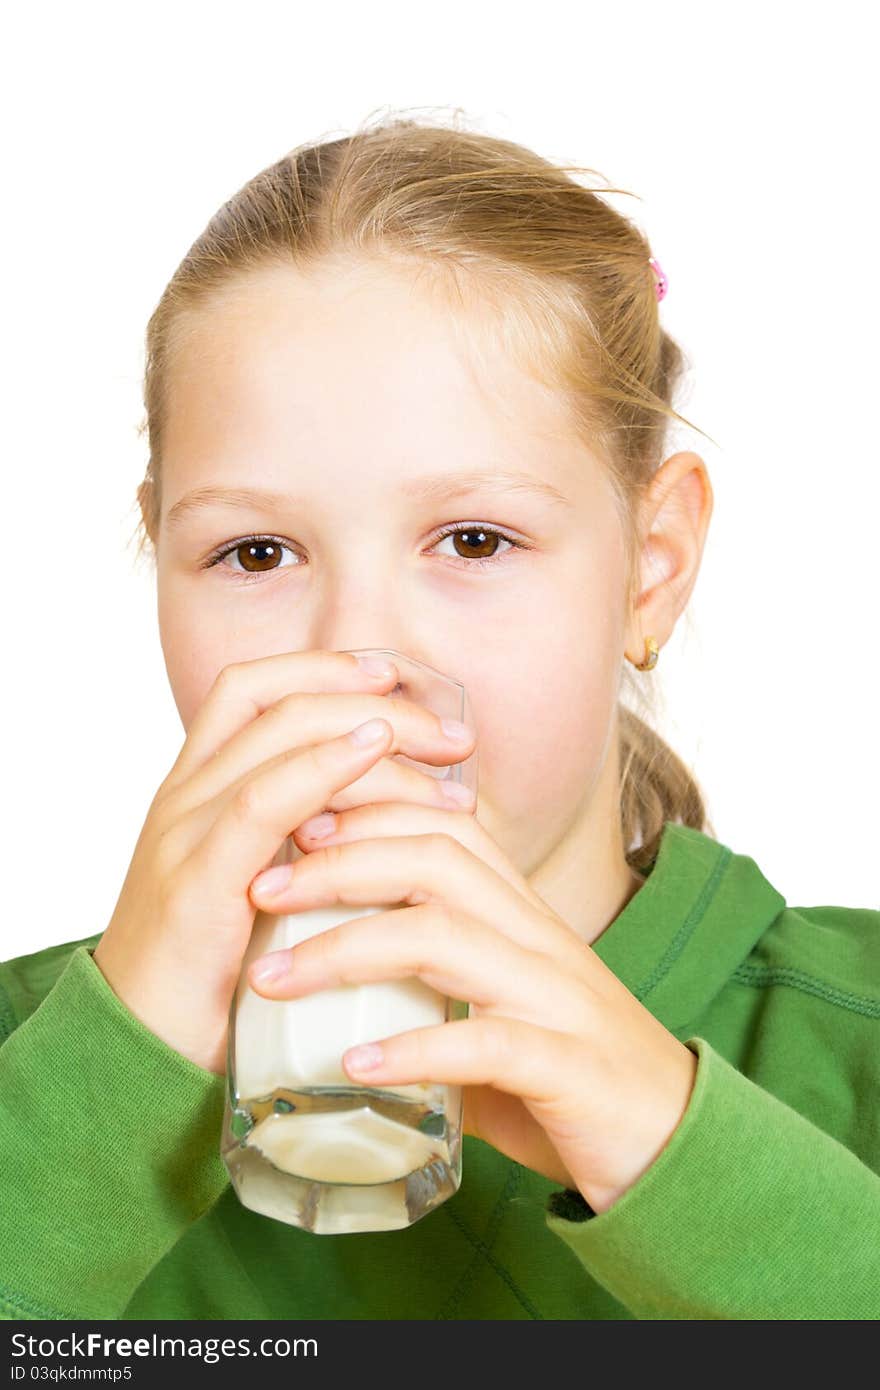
(435, 488)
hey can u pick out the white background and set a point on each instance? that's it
(748, 132)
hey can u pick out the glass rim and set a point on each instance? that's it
(402, 656)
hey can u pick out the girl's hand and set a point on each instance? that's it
(562, 1068)
(257, 761)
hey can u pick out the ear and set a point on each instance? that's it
(674, 521)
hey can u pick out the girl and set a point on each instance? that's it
(410, 389)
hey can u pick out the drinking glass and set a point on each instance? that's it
(302, 1142)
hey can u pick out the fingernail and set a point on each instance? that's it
(265, 885)
(319, 826)
(363, 1058)
(375, 666)
(271, 967)
(453, 728)
(457, 793)
(371, 732)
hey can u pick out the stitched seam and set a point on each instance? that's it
(483, 1247)
(19, 1304)
(501, 1271)
(786, 975)
(688, 926)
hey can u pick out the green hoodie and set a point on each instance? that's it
(765, 1203)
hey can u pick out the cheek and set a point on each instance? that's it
(544, 703)
(542, 741)
(195, 652)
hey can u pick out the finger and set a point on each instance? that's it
(299, 720)
(457, 955)
(373, 821)
(412, 869)
(535, 1063)
(242, 691)
(391, 780)
(252, 823)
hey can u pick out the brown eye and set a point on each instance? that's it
(254, 556)
(258, 556)
(478, 544)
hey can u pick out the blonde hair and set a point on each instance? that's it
(560, 280)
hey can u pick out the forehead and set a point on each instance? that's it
(366, 363)
(376, 323)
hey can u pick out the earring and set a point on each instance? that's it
(651, 657)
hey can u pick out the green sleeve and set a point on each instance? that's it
(109, 1150)
(750, 1211)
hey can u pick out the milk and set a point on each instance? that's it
(300, 1042)
(304, 1142)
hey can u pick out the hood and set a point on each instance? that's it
(697, 916)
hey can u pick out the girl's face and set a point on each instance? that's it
(346, 396)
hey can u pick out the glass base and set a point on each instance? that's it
(335, 1160)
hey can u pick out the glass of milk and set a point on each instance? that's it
(302, 1142)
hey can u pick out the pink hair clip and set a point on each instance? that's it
(662, 281)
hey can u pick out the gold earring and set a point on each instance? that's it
(651, 658)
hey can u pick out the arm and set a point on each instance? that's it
(749, 1212)
(109, 1150)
